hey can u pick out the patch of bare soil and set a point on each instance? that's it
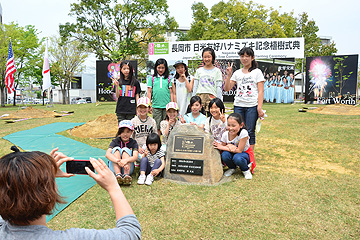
(30, 112)
(293, 161)
(105, 126)
(337, 109)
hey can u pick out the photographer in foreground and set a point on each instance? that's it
(29, 192)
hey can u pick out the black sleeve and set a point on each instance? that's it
(135, 145)
(138, 88)
(114, 143)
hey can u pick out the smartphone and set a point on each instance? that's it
(78, 166)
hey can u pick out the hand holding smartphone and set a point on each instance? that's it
(77, 166)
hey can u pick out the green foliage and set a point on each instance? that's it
(307, 28)
(38, 94)
(313, 47)
(339, 68)
(67, 59)
(116, 30)
(25, 44)
(239, 20)
(200, 16)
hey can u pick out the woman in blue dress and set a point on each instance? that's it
(291, 88)
(272, 88)
(285, 95)
(279, 89)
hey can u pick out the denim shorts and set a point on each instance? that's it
(121, 150)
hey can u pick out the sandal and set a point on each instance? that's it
(119, 178)
(127, 180)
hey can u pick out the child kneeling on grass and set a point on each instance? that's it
(122, 153)
(153, 161)
(236, 148)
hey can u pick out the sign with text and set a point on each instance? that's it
(191, 157)
(186, 166)
(189, 144)
(332, 79)
(228, 48)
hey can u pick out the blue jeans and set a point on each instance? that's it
(121, 150)
(236, 159)
(146, 167)
(250, 116)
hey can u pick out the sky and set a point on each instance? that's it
(336, 19)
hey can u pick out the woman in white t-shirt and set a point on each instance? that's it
(236, 148)
(250, 90)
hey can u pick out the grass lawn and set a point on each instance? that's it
(306, 184)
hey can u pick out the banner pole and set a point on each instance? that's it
(302, 79)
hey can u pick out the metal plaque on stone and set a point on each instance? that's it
(186, 166)
(189, 144)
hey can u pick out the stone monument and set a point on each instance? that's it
(191, 157)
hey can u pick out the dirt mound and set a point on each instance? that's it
(337, 109)
(30, 112)
(105, 126)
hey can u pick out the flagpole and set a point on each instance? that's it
(14, 95)
(6, 91)
(14, 78)
(44, 90)
(47, 46)
(10, 71)
(46, 72)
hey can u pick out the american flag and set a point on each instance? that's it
(10, 70)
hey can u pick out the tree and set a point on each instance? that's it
(198, 27)
(116, 31)
(67, 60)
(340, 74)
(25, 44)
(239, 20)
(307, 28)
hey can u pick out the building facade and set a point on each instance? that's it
(0, 14)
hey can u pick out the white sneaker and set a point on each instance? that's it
(149, 179)
(247, 174)
(229, 172)
(141, 179)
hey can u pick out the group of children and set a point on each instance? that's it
(184, 99)
(137, 140)
(279, 88)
